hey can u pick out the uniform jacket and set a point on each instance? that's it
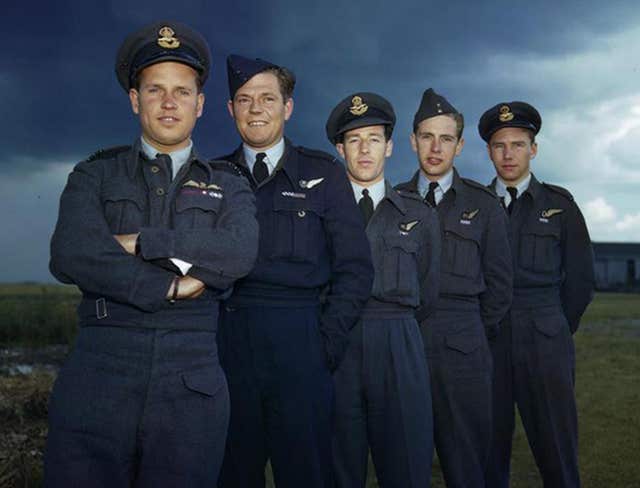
(312, 235)
(205, 216)
(552, 254)
(476, 261)
(404, 234)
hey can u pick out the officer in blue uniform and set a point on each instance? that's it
(533, 354)
(153, 236)
(475, 293)
(279, 342)
(383, 393)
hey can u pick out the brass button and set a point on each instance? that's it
(160, 192)
(154, 169)
(301, 213)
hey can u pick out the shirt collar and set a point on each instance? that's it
(444, 184)
(274, 154)
(178, 158)
(501, 187)
(376, 191)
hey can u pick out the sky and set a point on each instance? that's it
(575, 61)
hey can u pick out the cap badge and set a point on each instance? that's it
(506, 115)
(166, 38)
(358, 107)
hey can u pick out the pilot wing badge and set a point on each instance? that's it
(406, 227)
(547, 214)
(308, 184)
(468, 216)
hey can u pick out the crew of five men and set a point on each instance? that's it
(268, 305)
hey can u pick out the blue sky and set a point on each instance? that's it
(576, 62)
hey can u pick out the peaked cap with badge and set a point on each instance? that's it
(431, 105)
(241, 69)
(360, 109)
(509, 114)
(159, 42)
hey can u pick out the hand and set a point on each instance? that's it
(127, 241)
(188, 288)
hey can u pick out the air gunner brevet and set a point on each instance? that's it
(509, 114)
(361, 109)
(159, 42)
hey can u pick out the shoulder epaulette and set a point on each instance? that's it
(479, 186)
(230, 167)
(315, 153)
(107, 153)
(558, 189)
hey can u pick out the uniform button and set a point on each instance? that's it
(154, 169)
(160, 192)
(301, 213)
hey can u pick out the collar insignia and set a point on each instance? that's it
(406, 227)
(166, 38)
(506, 115)
(469, 215)
(202, 185)
(310, 183)
(358, 107)
(546, 214)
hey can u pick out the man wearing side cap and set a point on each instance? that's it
(534, 359)
(278, 342)
(383, 394)
(475, 293)
(153, 236)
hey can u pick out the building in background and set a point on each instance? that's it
(617, 266)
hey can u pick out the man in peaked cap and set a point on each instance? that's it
(475, 292)
(153, 236)
(533, 354)
(383, 394)
(279, 341)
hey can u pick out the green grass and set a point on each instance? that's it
(607, 380)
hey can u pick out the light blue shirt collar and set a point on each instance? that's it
(273, 155)
(178, 158)
(376, 191)
(501, 189)
(444, 183)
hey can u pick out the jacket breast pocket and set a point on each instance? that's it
(461, 253)
(123, 206)
(298, 230)
(400, 269)
(540, 248)
(196, 211)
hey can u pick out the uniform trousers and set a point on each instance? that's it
(534, 361)
(383, 402)
(460, 364)
(135, 407)
(282, 397)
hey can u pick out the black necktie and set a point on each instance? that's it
(166, 159)
(260, 170)
(431, 194)
(513, 192)
(366, 205)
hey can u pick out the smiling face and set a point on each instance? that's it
(260, 111)
(511, 150)
(365, 150)
(168, 104)
(436, 143)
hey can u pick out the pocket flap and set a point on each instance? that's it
(467, 232)
(542, 229)
(201, 201)
(465, 342)
(296, 204)
(117, 189)
(403, 242)
(206, 381)
(550, 325)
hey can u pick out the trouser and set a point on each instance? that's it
(460, 364)
(534, 363)
(282, 397)
(137, 407)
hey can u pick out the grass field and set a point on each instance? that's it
(607, 385)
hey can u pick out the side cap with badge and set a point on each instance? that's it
(241, 69)
(431, 105)
(509, 114)
(159, 42)
(360, 109)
